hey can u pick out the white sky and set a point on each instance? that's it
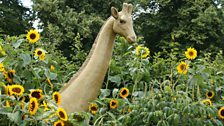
(27, 3)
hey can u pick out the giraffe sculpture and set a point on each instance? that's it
(85, 85)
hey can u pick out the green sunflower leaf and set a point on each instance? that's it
(26, 59)
(2, 58)
(17, 44)
(14, 117)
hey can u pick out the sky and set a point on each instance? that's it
(28, 4)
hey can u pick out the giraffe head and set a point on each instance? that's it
(123, 23)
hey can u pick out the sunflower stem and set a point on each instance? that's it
(193, 91)
(198, 92)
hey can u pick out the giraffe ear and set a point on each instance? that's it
(114, 12)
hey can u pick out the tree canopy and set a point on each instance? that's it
(185, 22)
(14, 17)
(188, 22)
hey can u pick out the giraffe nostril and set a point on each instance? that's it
(131, 39)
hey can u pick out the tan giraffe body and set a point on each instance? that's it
(84, 87)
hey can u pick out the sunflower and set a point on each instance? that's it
(124, 92)
(44, 104)
(191, 53)
(210, 94)
(59, 123)
(207, 102)
(221, 113)
(37, 93)
(40, 53)
(49, 82)
(62, 114)
(9, 75)
(17, 89)
(2, 69)
(182, 68)
(33, 36)
(52, 68)
(93, 108)
(22, 99)
(2, 52)
(113, 104)
(7, 90)
(7, 104)
(33, 105)
(142, 51)
(42, 57)
(57, 97)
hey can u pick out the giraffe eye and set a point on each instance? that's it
(122, 21)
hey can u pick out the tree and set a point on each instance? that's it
(15, 19)
(191, 23)
(63, 19)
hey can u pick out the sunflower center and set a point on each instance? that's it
(222, 112)
(39, 53)
(56, 98)
(36, 94)
(17, 90)
(10, 75)
(209, 94)
(124, 92)
(191, 53)
(62, 115)
(32, 106)
(182, 67)
(58, 124)
(113, 104)
(94, 108)
(32, 36)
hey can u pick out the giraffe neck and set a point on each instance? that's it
(85, 86)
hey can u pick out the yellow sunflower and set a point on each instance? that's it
(182, 68)
(7, 104)
(191, 53)
(44, 104)
(42, 57)
(49, 82)
(33, 106)
(2, 68)
(62, 114)
(57, 97)
(33, 36)
(38, 52)
(9, 75)
(207, 102)
(113, 104)
(142, 51)
(93, 108)
(7, 90)
(22, 99)
(221, 113)
(36, 93)
(52, 68)
(17, 89)
(124, 92)
(59, 123)
(210, 94)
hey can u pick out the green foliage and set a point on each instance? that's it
(14, 18)
(159, 95)
(61, 20)
(188, 22)
(31, 73)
